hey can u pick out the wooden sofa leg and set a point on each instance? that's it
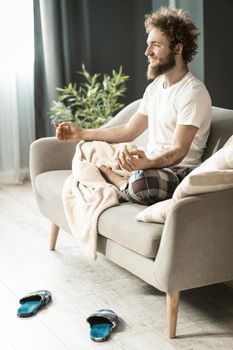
(53, 236)
(172, 312)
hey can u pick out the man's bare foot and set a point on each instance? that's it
(115, 179)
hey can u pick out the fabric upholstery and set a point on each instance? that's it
(135, 263)
(197, 242)
(221, 130)
(119, 225)
(50, 183)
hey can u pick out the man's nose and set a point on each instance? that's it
(148, 51)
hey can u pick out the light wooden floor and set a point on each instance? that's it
(80, 287)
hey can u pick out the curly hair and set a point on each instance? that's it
(178, 27)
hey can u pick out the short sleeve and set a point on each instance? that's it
(193, 107)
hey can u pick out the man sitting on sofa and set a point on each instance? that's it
(176, 109)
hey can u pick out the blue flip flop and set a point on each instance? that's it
(33, 302)
(102, 323)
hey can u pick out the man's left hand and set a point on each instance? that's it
(133, 160)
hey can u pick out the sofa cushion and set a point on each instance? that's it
(140, 237)
(118, 224)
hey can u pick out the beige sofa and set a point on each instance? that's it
(192, 249)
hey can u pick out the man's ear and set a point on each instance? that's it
(178, 49)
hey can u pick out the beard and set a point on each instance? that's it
(162, 67)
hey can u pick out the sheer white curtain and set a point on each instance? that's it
(16, 88)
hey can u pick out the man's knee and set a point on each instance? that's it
(136, 190)
(151, 186)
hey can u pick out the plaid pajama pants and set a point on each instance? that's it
(153, 185)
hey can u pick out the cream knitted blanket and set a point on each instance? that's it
(86, 194)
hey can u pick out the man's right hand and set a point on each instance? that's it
(68, 132)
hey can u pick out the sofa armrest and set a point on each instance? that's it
(49, 154)
(197, 243)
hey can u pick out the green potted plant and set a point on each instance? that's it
(93, 102)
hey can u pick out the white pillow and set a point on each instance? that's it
(156, 212)
(215, 174)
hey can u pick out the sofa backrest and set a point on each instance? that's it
(221, 130)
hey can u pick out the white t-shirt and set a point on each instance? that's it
(185, 103)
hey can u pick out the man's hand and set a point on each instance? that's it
(68, 132)
(134, 160)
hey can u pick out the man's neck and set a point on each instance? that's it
(174, 75)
